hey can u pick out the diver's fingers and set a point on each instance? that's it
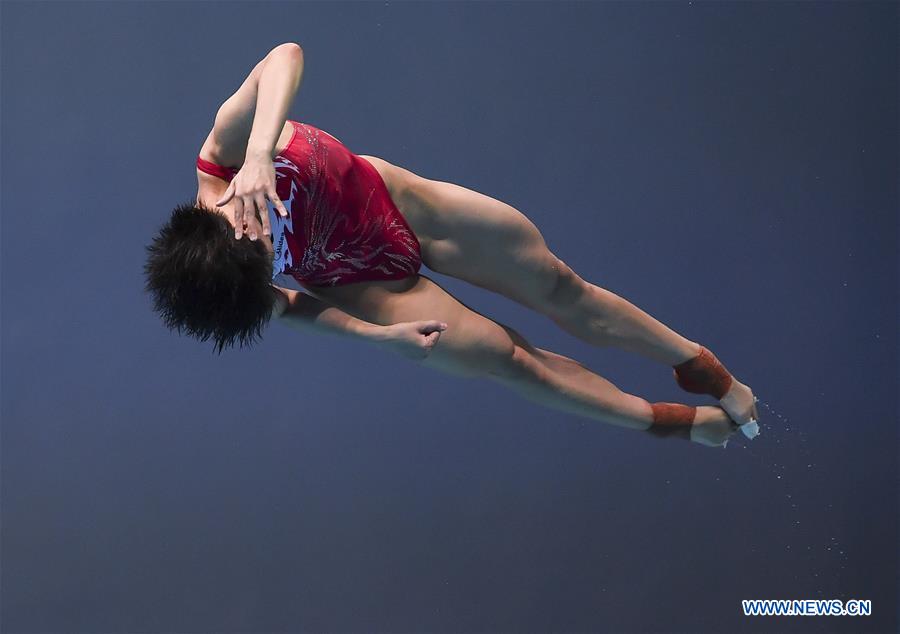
(278, 204)
(229, 193)
(238, 217)
(260, 203)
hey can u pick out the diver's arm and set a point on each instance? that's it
(302, 311)
(256, 180)
(305, 312)
(278, 84)
(228, 140)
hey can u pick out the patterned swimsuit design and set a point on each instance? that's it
(342, 226)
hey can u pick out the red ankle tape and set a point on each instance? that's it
(704, 374)
(672, 420)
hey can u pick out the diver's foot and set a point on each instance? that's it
(712, 426)
(705, 374)
(740, 404)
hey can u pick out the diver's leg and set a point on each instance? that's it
(493, 245)
(557, 381)
(476, 346)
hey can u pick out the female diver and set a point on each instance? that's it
(352, 232)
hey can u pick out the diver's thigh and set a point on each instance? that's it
(472, 345)
(488, 243)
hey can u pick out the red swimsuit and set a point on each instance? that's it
(342, 225)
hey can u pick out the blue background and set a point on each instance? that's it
(729, 167)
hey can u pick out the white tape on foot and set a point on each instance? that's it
(751, 429)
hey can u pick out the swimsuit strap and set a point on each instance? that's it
(226, 173)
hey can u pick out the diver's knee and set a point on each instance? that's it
(566, 287)
(517, 363)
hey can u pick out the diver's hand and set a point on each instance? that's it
(412, 339)
(249, 188)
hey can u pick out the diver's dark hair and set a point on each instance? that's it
(207, 284)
